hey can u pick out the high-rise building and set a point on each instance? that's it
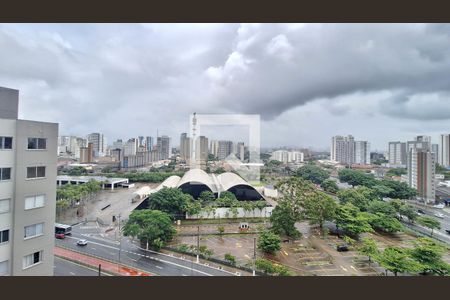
(185, 147)
(362, 153)
(444, 150)
(397, 154)
(435, 150)
(285, 156)
(343, 149)
(214, 148)
(130, 147)
(27, 191)
(163, 147)
(141, 141)
(240, 151)
(149, 143)
(225, 148)
(87, 154)
(201, 150)
(421, 173)
(98, 141)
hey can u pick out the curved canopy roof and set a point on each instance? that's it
(228, 180)
(198, 176)
(170, 182)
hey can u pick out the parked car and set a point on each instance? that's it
(420, 211)
(447, 230)
(342, 248)
(81, 242)
(439, 215)
(440, 205)
(60, 236)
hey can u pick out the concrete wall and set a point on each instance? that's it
(30, 187)
(221, 212)
(10, 103)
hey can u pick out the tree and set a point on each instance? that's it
(429, 222)
(383, 222)
(351, 220)
(170, 200)
(220, 229)
(206, 197)
(397, 260)
(354, 178)
(227, 195)
(313, 173)
(150, 226)
(319, 208)
(409, 212)
(396, 172)
(77, 171)
(429, 254)
(368, 248)
(269, 242)
(360, 197)
(283, 220)
(381, 207)
(230, 258)
(330, 186)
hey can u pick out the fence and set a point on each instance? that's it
(227, 212)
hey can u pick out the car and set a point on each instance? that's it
(439, 215)
(342, 248)
(447, 230)
(420, 211)
(81, 242)
(60, 236)
(440, 205)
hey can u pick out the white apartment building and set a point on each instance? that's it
(99, 143)
(285, 156)
(421, 173)
(27, 191)
(397, 154)
(444, 150)
(214, 148)
(362, 153)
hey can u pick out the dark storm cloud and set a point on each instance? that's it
(130, 79)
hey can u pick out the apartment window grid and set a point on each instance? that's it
(34, 202)
(5, 174)
(32, 259)
(6, 142)
(4, 236)
(37, 144)
(35, 172)
(5, 205)
(33, 230)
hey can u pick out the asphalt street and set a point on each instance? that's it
(64, 267)
(131, 255)
(445, 222)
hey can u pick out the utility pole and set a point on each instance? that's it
(99, 270)
(120, 243)
(198, 244)
(254, 256)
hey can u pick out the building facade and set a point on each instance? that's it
(397, 154)
(163, 147)
(421, 173)
(98, 141)
(225, 148)
(444, 150)
(27, 191)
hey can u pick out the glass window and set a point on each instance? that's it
(40, 171)
(5, 142)
(31, 172)
(34, 202)
(33, 230)
(4, 268)
(42, 143)
(5, 173)
(32, 143)
(4, 205)
(4, 236)
(32, 259)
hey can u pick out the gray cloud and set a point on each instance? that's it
(130, 79)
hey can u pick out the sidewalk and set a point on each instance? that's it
(93, 262)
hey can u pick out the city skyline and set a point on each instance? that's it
(290, 74)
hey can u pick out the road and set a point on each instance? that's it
(131, 255)
(64, 267)
(445, 222)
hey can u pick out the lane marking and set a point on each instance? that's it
(344, 269)
(159, 267)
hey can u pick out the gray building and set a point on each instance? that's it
(397, 154)
(224, 149)
(98, 141)
(27, 191)
(163, 147)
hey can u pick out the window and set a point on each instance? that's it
(32, 259)
(4, 268)
(4, 205)
(37, 144)
(5, 142)
(5, 174)
(34, 201)
(35, 172)
(4, 236)
(33, 230)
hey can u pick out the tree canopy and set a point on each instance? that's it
(319, 207)
(269, 242)
(330, 186)
(313, 173)
(429, 254)
(397, 260)
(429, 222)
(351, 220)
(170, 200)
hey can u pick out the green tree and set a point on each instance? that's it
(429, 222)
(381, 207)
(170, 200)
(359, 197)
(382, 222)
(330, 186)
(150, 226)
(429, 254)
(319, 208)
(397, 260)
(77, 171)
(354, 178)
(351, 220)
(396, 172)
(283, 220)
(409, 212)
(220, 229)
(269, 242)
(227, 195)
(369, 248)
(206, 197)
(313, 173)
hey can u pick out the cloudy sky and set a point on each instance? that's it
(379, 82)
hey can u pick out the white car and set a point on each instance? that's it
(439, 215)
(441, 205)
(81, 242)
